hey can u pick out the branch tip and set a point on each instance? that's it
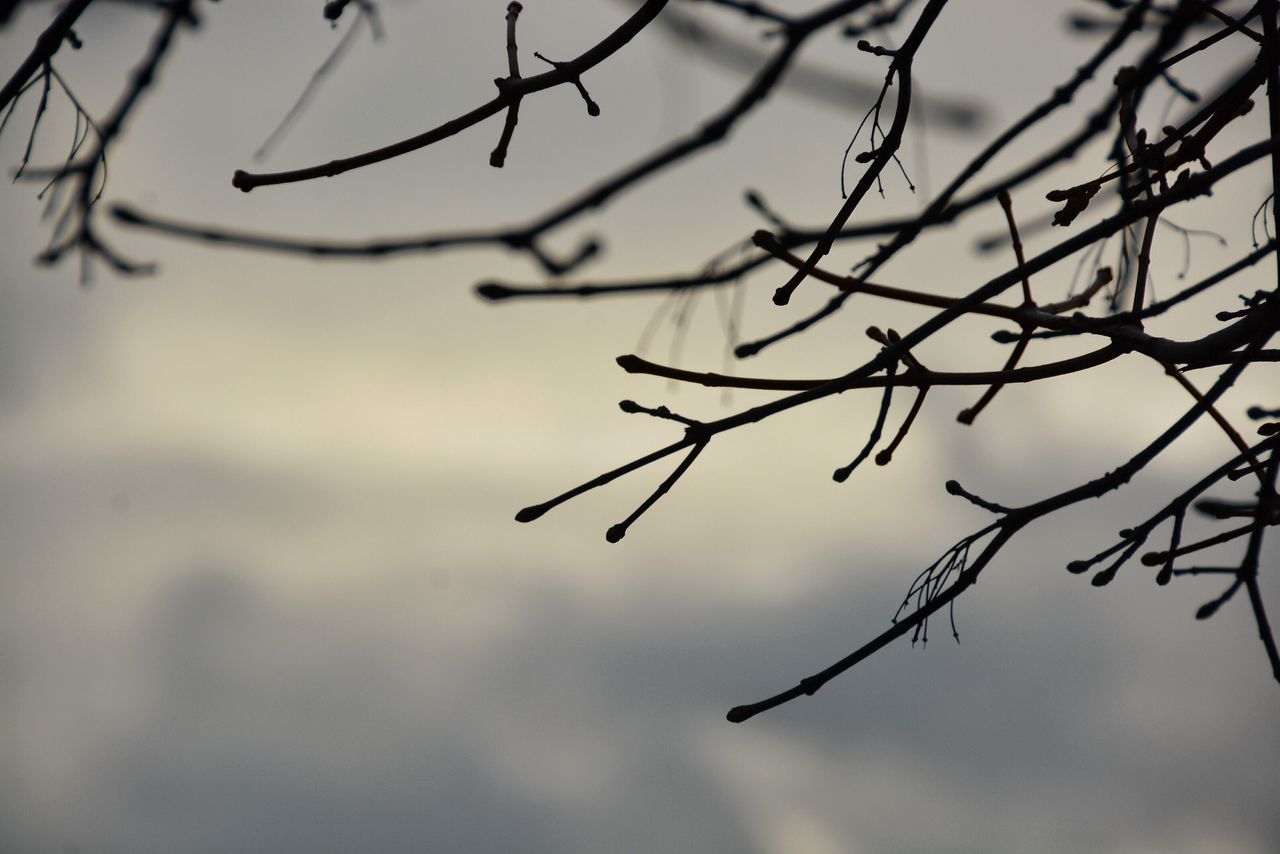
(494, 291)
(764, 239)
(334, 8)
(630, 363)
(125, 214)
(528, 514)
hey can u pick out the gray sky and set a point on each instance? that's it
(262, 590)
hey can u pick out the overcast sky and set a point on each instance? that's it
(262, 590)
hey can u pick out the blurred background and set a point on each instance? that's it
(261, 587)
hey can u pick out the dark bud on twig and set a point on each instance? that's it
(630, 363)
(334, 8)
(954, 488)
(127, 214)
(590, 249)
(528, 514)
(1102, 579)
(1126, 77)
(494, 291)
(593, 109)
(1086, 24)
(1218, 509)
(867, 47)
(764, 239)
(1208, 609)
(1076, 198)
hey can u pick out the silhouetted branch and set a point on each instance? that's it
(74, 227)
(1111, 212)
(1248, 571)
(715, 129)
(499, 155)
(510, 92)
(1005, 528)
(377, 248)
(47, 44)
(836, 90)
(880, 156)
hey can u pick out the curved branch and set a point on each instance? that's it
(509, 93)
(911, 378)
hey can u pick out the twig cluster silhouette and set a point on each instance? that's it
(1109, 225)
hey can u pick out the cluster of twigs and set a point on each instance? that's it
(1149, 173)
(74, 188)
(1153, 176)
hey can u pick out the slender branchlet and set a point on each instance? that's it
(499, 155)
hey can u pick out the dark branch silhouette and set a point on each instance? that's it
(511, 91)
(1112, 217)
